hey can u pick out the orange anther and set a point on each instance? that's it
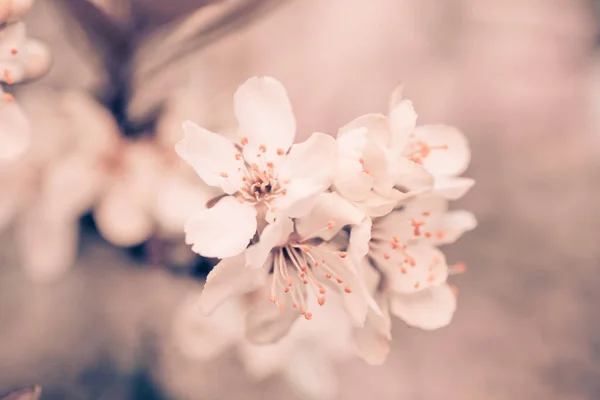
(244, 141)
(280, 152)
(321, 300)
(347, 289)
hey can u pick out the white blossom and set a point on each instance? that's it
(260, 176)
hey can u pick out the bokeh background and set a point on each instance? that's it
(521, 78)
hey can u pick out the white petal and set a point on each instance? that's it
(452, 225)
(223, 230)
(402, 120)
(15, 132)
(266, 323)
(373, 339)
(350, 179)
(332, 210)
(177, 200)
(265, 117)
(120, 219)
(376, 205)
(453, 188)
(12, 11)
(310, 166)
(275, 234)
(450, 162)
(428, 309)
(48, 246)
(310, 374)
(229, 278)
(360, 235)
(409, 176)
(212, 156)
(377, 128)
(396, 96)
(205, 337)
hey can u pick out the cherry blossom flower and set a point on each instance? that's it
(261, 175)
(407, 269)
(295, 267)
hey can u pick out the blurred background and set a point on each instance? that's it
(521, 78)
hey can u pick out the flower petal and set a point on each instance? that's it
(402, 121)
(350, 179)
(452, 225)
(452, 161)
(275, 234)
(360, 235)
(15, 131)
(376, 205)
(229, 278)
(410, 177)
(373, 339)
(377, 128)
(212, 156)
(266, 323)
(331, 213)
(310, 166)
(453, 188)
(265, 117)
(177, 200)
(428, 309)
(223, 230)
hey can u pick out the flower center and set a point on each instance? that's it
(260, 181)
(300, 271)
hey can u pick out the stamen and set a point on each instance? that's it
(244, 141)
(280, 152)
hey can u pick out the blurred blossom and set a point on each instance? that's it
(14, 128)
(304, 357)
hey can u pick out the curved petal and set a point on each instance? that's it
(452, 225)
(377, 128)
(265, 117)
(213, 157)
(402, 120)
(373, 339)
(275, 234)
(376, 205)
(121, 220)
(330, 214)
(350, 179)
(360, 235)
(450, 154)
(310, 166)
(428, 309)
(229, 278)
(176, 202)
(15, 131)
(223, 230)
(410, 177)
(453, 188)
(38, 59)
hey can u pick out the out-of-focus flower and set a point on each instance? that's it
(303, 357)
(261, 175)
(14, 128)
(293, 269)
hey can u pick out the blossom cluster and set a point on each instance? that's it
(21, 59)
(352, 222)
